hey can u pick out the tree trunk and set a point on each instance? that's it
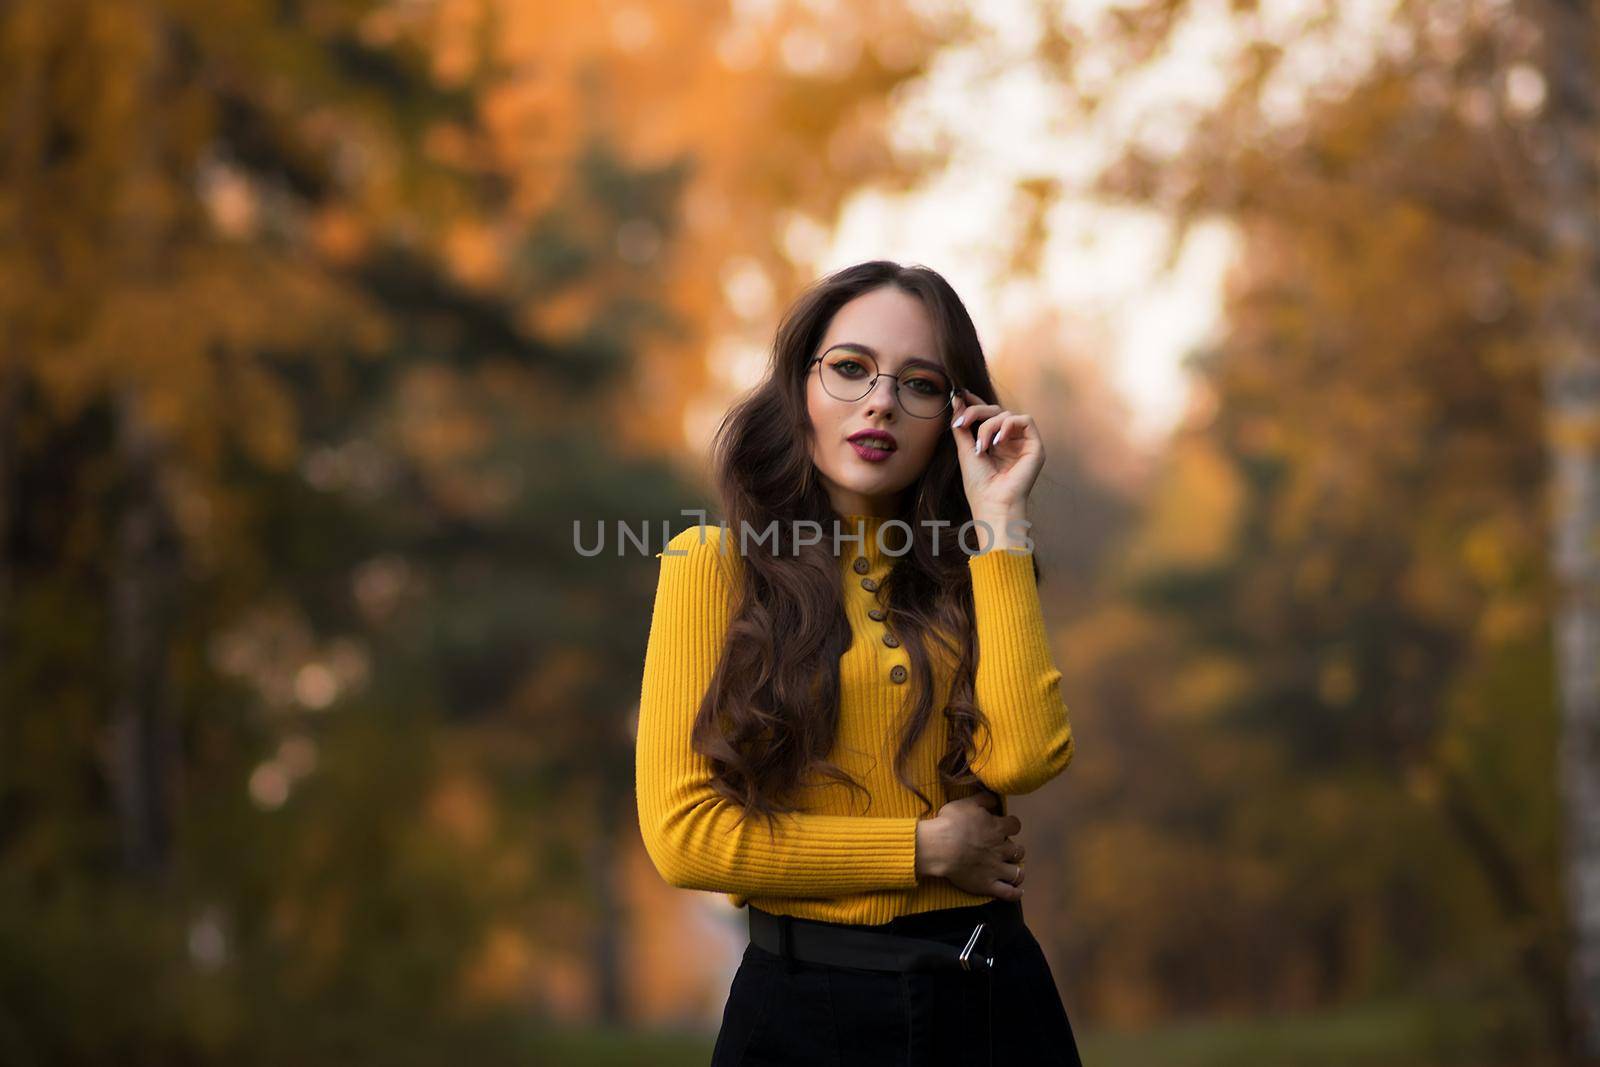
(142, 753)
(1570, 323)
(1541, 957)
(10, 402)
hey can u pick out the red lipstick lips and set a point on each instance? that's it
(874, 446)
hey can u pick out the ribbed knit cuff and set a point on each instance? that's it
(1003, 573)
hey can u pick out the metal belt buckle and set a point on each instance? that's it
(988, 961)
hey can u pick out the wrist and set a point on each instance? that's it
(1008, 528)
(930, 851)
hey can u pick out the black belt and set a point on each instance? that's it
(876, 948)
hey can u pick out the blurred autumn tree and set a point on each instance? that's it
(1341, 786)
(321, 323)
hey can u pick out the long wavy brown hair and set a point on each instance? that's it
(769, 715)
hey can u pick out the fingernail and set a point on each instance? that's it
(960, 419)
(996, 438)
(976, 445)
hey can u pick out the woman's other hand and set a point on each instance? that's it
(972, 848)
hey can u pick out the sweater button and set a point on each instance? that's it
(869, 584)
(861, 565)
(876, 614)
(898, 674)
(891, 640)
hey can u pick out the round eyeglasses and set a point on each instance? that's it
(923, 392)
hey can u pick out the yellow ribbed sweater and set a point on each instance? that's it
(825, 862)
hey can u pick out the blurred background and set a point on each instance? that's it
(322, 322)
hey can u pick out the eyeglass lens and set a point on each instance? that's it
(924, 391)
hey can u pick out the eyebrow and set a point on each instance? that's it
(868, 350)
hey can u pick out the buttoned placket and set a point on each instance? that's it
(862, 566)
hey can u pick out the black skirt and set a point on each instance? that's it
(826, 1016)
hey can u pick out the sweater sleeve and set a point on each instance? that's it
(689, 830)
(1017, 685)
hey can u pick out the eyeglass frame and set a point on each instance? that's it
(872, 383)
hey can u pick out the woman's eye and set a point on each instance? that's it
(844, 363)
(926, 387)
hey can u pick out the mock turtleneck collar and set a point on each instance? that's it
(867, 526)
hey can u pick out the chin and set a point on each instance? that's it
(871, 486)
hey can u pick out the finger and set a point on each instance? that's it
(1013, 425)
(968, 408)
(988, 428)
(986, 798)
(968, 419)
(1004, 890)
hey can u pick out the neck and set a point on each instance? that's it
(867, 526)
(881, 506)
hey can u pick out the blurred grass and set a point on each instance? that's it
(622, 1048)
(1377, 1035)
(1390, 1034)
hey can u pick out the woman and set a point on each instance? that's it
(789, 676)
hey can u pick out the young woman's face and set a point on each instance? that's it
(895, 327)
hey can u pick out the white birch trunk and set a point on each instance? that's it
(1571, 329)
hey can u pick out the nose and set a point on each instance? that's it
(881, 399)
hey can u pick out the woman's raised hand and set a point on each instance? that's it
(972, 848)
(1001, 454)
